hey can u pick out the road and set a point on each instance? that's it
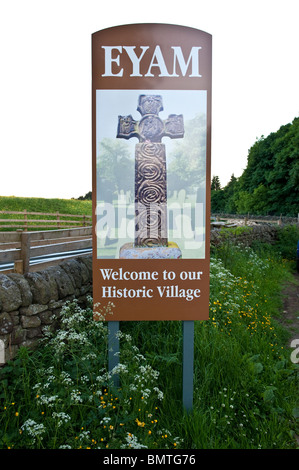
(50, 257)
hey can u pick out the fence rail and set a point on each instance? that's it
(53, 220)
(24, 251)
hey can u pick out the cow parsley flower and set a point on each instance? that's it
(34, 429)
(75, 396)
(132, 442)
(62, 418)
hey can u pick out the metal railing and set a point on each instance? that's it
(23, 251)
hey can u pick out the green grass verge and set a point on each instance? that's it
(63, 206)
(37, 204)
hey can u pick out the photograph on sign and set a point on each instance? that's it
(151, 173)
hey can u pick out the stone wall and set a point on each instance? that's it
(31, 302)
(263, 218)
(245, 235)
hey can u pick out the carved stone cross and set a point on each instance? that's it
(150, 167)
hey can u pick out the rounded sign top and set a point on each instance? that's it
(152, 55)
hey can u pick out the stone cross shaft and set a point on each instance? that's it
(150, 167)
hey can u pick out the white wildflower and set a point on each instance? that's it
(65, 378)
(159, 393)
(49, 401)
(132, 442)
(34, 429)
(105, 420)
(119, 368)
(84, 379)
(75, 396)
(62, 418)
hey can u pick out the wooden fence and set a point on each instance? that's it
(19, 247)
(23, 219)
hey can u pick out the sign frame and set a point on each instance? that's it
(132, 57)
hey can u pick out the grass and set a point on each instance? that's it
(31, 204)
(38, 204)
(245, 384)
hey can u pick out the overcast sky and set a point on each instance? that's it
(45, 82)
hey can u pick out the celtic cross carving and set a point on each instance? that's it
(150, 167)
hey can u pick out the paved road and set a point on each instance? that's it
(42, 259)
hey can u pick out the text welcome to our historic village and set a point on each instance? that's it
(114, 290)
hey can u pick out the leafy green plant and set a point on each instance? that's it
(66, 397)
(287, 239)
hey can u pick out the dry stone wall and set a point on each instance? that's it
(31, 302)
(245, 235)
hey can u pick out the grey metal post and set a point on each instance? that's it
(188, 364)
(113, 347)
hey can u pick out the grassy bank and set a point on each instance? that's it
(245, 385)
(38, 204)
(42, 205)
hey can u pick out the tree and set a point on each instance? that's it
(217, 201)
(230, 192)
(215, 185)
(88, 196)
(115, 168)
(186, 169)
(272, 173)
(254, 203)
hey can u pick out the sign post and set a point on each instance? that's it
(188, 363)
(151, 198)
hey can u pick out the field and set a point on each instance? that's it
(41, 213)
(245, 381)
(36, 204)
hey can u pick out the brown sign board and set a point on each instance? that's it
(151, 154)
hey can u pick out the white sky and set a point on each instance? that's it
(45, 82)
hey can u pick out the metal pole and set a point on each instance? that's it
(113, 347)
(188, 364)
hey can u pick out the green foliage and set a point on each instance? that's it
(38, 204)
(287, 239)
(88, 197)
(62, 395)
(270, 182)
(43, 205)
(115, 168)
(215, 185)
(186, 167)
(253, 203)
(285, 246)
(217, 201)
